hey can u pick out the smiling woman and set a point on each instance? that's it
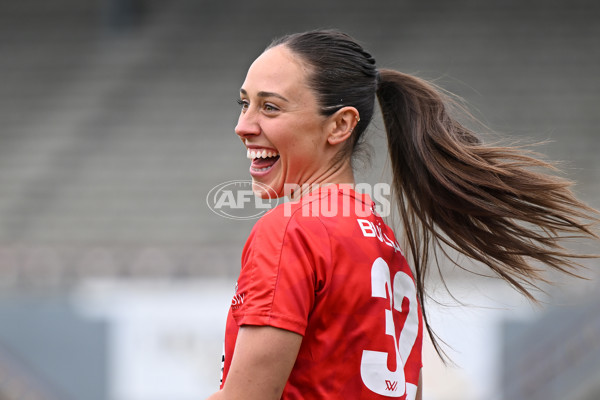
(326, 305)
(281, 116)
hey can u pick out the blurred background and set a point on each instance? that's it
(117, 119)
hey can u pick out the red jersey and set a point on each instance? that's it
(329, 268)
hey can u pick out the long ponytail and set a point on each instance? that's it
(452, 191)
(487, 202)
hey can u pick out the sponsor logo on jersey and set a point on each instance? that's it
(238, 300)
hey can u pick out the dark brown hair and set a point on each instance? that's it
(495, 204)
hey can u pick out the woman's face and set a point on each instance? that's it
(280, 124)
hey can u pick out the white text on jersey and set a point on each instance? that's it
(369, 229)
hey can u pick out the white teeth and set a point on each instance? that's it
(251, 154)
(260, 169)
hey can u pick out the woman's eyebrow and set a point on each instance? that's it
(266, 94)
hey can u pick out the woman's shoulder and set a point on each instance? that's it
(284, 215)
(287, 226)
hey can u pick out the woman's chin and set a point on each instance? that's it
(263, 190)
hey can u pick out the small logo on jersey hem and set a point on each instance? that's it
(391, 385)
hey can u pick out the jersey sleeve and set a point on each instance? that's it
(283, 266)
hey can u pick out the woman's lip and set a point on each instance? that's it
(260, 173)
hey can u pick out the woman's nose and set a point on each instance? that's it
(247, 125)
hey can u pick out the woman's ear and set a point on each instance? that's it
(342, 123)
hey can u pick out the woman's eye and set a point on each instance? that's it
(270, 108)
(243, 104)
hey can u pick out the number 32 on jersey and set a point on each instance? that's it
(374, 369)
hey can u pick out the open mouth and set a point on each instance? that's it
(262, 160)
